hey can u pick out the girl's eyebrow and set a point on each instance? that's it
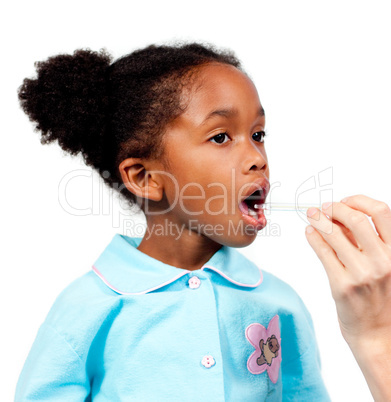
(228, 113)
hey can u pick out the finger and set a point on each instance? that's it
(357, 222)
(379, 212)
(334, 236)
(334, 268)
(348, 234)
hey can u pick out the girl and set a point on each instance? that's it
(179, 314)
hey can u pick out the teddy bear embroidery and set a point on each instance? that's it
(267, 344)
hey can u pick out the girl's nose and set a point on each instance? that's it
(255, 158)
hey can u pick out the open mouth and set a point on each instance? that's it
(253, 203)
(251, 208)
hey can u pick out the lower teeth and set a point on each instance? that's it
(252, 213)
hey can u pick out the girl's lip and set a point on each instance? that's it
(260, 184)
(259, 222)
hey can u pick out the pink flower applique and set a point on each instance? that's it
(267, 344)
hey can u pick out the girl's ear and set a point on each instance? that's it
(141, 180)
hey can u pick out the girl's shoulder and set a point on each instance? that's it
(83, 300)
(283, 295)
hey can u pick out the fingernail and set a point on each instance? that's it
(326, 205)
(309, 229)
(311, 211)
(345, 199)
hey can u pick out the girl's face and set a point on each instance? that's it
(217, 158)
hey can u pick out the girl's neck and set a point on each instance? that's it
(182, 249)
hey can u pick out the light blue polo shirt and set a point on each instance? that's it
(136, 329)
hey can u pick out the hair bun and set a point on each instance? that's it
(68, 101)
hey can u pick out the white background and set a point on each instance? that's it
(323, 74)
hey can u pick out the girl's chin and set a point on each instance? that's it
(242, 241)
(239, 236)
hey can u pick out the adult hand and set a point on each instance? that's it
(357, 260)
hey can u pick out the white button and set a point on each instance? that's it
(208, 361)
(194, 282)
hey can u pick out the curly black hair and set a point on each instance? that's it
(112, 111)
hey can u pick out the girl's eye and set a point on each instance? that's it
(259, 136)
(219, 138)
